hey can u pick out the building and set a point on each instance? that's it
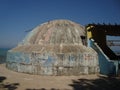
(109, 62)
(54, 48)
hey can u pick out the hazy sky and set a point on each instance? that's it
(17, 16)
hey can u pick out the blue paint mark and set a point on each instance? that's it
(106, 67)
(49, 61)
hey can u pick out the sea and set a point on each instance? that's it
(3, 54)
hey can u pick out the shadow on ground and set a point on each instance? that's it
(47, 89)
(7, 86)
(102, 83)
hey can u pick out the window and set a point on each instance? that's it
(113, 42)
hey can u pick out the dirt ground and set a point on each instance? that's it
(10, 80)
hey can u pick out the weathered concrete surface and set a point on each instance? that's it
(54, 48)
(21, 81)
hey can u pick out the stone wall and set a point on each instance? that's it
(53, 64)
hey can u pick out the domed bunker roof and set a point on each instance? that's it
(55, 44)
(55, 34)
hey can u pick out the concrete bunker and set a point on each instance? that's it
(56, 47)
